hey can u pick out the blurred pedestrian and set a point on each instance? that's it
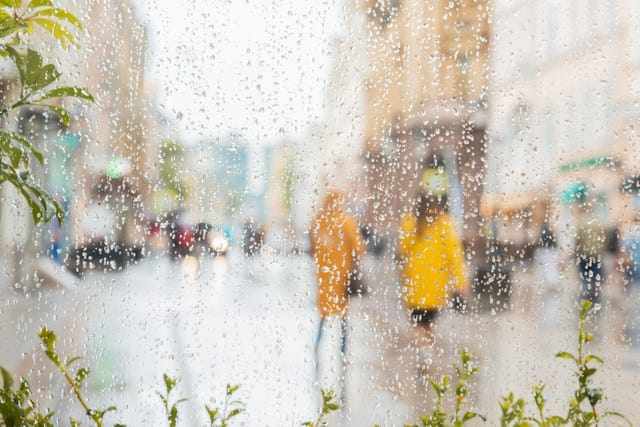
(589, 251)
(253, 238)
(631, 255)
(547, 274)
(432, 262)
(336, 245)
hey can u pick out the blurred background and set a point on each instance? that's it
(191, 184)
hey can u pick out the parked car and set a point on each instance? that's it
(98, 248)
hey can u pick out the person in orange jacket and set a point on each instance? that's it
(432, 259)
(336, 244)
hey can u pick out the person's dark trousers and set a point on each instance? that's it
(591, 275)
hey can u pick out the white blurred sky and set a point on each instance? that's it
(255, 66)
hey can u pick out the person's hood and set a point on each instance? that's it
(333, 200)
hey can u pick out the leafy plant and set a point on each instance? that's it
(171, 409)
(513, 413)
(16, 406)
(439, 418)
(231, 408)
(329, 405)
(583, 404)
(76, 380)
(218, 417)
(18, 19)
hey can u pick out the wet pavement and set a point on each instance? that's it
(252, 321)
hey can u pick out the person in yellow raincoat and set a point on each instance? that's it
(432, 262)
(336, 245)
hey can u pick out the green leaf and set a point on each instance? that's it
(73, 360)
(57, 30)
(436, 387)
(232, 389)
(42, 78)
(48, 338)
(169, 383)
(20, 60)
(43, 206)
(17, 142)
(330, 407)
(593, 357)
(62, 113)
(8, 25)
(39, 3)
(33, 75)
(586, 337)
(7, 379)
(80, 376)
(11, 3)
(565, 355)
(213, 414)
(15, 153)
(173, 416)
(234, 412)
(461, 391)
(53, 356)
(469, 416)
(67, 91)
(61, 14)
(586, 306)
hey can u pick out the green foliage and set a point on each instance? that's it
(16, 407)
(18, 18)
(231, 408)
(329, 405)
(170, 408)
(512, 412)
(583, 403)
(438, 418)
(75, 380)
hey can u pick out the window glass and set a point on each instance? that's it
(338, 213)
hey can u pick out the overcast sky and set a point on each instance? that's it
(250, 65)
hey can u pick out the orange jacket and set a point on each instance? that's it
(335, 244)
(433, 263)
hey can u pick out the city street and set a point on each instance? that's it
(252, 322)
(166, 172)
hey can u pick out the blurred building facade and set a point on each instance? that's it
(564, 114)
(332, 154)
(425, 83)
(218, 178)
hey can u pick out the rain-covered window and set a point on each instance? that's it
(342, 213)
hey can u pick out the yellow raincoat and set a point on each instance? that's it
(433, 263)
(335, 244)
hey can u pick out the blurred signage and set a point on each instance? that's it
(593, 162)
